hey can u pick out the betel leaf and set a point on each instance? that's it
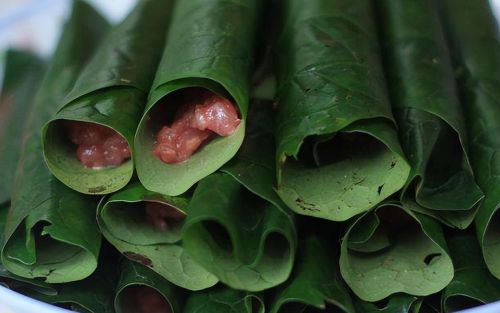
(93, 294)
(337, 150)
(247, 242)
(221, 299)
(111, 91)
(22, 75)
(427, 110)
(141, 290)
(210, 45)
(475, 42)
(237, 228)
(315, 282)
(472, 285)
(398, 303)
(123, 222)
(50, 230)
(12, 281)
(390, 250)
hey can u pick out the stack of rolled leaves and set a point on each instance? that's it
(50, 230)
(278, 156)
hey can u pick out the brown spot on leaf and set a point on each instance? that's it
(97, 189)
(428, 259)
(379, 189)
(139, 258)
(306, 206)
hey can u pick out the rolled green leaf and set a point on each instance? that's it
(51, 232)
(337, 149)
(315, 282)
(236, 227)
(427, 110)
(221, 299)
(247, 242)
(210, 45)
(94, 294)
(475, 42)
(141, 290)
(472, 285)
(391, 249)
(12, 281)
(111, 91)
(123, 220)
(22, 75)
(399, 303)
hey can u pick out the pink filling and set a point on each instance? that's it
(196, 122)
(162, 216)
(148, 300)
(98, 146)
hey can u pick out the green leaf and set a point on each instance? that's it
(221, 299)
(94, 294)
(315, 282)
(413, 260)
(428, 112)
(337, 148)
(472, 285)
(111, 91)
(22, 75)
(398, 303)
(478, 61)
(51, 232)
(237, 228)
(138, 285)
(216, 38)
(247, 242)
(12, 281)
(123, 223)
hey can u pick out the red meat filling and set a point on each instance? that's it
(163, 217)
(98, 146)
(197, 121)
(142, 299)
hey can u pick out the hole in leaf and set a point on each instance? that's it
(379, 189)
(428, 259)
